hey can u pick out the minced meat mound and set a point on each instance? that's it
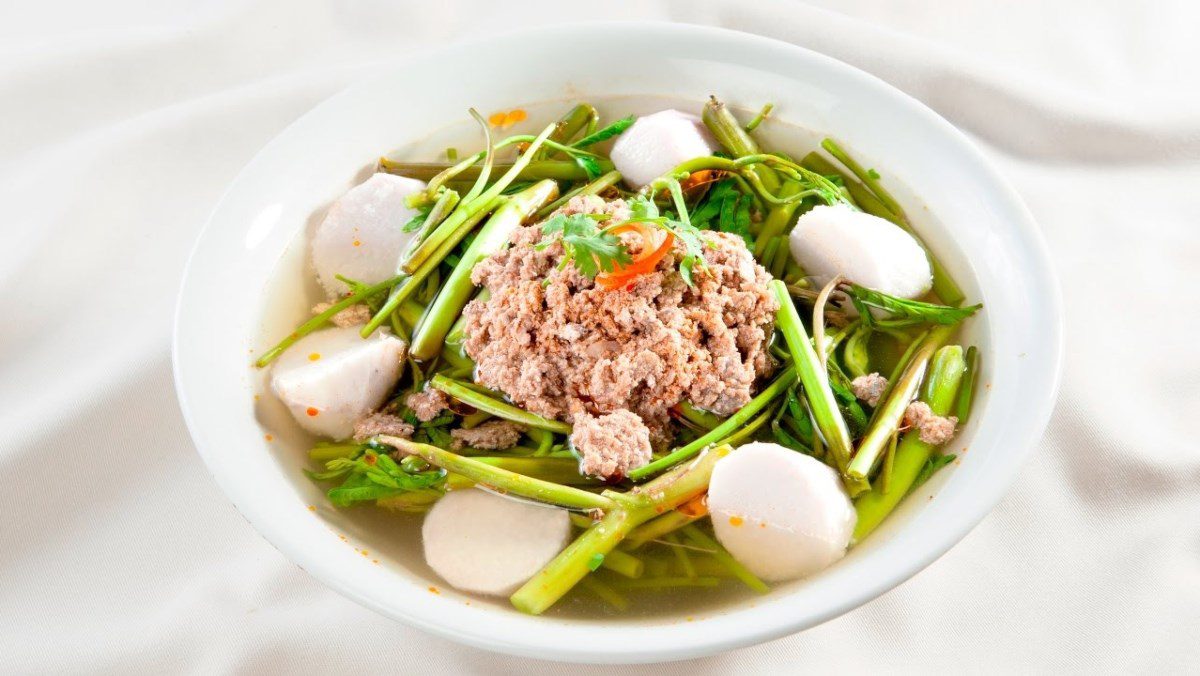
(610, 445)
(560, 346)
(491, 435)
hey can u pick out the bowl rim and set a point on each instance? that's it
(955, 526)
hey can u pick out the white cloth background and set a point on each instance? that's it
(122, 122)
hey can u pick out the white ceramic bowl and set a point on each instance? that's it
(972, 218)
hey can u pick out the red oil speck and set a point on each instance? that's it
(268, 437)
(312, 412)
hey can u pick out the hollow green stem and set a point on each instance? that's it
(962, 407)
(455, 227)
(664, 525)
(555, 170)
(320, 320)
(594, 188)
(783, 381)
(815, 378)
(606, 593)
(632, 509)
(758, 119)
(941, 387)
(700, 539)
(663, 583)
(890, 411)
(412, 283)
(698, 416)
(569, 125)
(499, 479)
(457, 289)
(496, 407)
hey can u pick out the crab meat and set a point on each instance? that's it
(363, 235)
(865, 249)
(332, 378)
(487, 544)
(657, 143)
(782, 514)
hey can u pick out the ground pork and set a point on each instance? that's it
(355, 315)
(933, 429)
(427, 404)
(560, 346)
(611, 445)
(869, 388)
(491, 435)
(381, 423)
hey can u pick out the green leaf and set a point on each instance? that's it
(417, 221)
(590, 165)
(585, 244)
(605, 133)
(908, 309)
(642, 208)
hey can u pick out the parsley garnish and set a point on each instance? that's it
(587, 246)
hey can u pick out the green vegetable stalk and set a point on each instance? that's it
(455, 227)
(457, 289)
(821, 400)
(536, 170)
(631, 510)
(411, 284)
(941, 387)
(594, 188)
(700, 539)
(890, 411)
(321, 319)
(500, 409)
(500, 479)
(717, 434)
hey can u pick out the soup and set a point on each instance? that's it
(625, 366)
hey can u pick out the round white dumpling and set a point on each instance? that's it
(363, 235)
(782, 514)
(488, 544)
(865, 249)
(657, 143)
(331, 378)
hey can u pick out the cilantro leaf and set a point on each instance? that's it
(642, 208)
(585, 244)
(417, 221)
(605, 133)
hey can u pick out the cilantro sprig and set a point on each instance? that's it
(590, 248)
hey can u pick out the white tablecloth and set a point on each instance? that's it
(122, 122)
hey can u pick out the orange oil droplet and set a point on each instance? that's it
(357, 243)
(497, 119)
(314, 356)
(312, 412)
(736, 521)
(514, 116)
(312, 508)
(434, 590)
(268, 437)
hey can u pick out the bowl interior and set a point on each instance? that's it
(248, 284)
